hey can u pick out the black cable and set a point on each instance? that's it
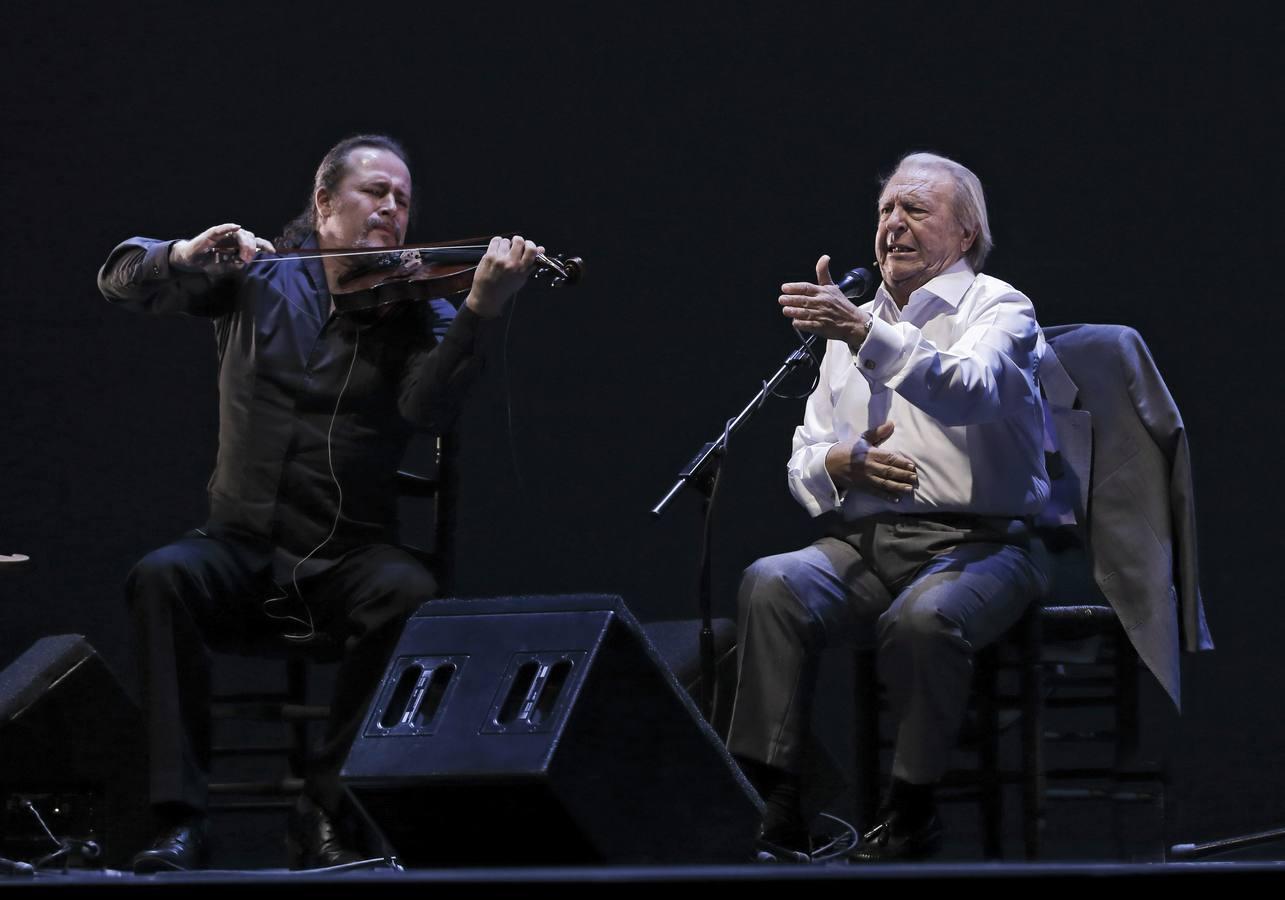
(87, 850)
(839, 845)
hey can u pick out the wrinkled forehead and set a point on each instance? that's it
(370, 163)
(919, 183)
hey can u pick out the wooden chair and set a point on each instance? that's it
(1070, 654)
(1020, 684)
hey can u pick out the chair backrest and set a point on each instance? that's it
(438, 484)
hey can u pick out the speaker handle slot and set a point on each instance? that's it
(517, 701)
(431, 703)
(554, 681)
(397, 703)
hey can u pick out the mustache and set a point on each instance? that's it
(379, 222)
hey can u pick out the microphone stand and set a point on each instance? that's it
(702, 474)
(703, 471)
(12, 563)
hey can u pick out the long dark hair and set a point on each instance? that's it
(333, 168)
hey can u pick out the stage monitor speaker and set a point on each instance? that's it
(543, 730)
(71, 745)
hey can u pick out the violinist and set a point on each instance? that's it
(315, 410)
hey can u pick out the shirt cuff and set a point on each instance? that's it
(812, 485)
(155, 264)
(881, 352)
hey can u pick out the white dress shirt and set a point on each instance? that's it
(954, 371)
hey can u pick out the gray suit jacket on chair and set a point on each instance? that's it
(1123, 441)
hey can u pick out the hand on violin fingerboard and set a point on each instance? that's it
(218, 250)
(501, 273)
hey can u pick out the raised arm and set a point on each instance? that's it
(987, 374)
(195, 276)
(439, 371)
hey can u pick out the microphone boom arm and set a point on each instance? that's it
(854, 284)
(701, 467)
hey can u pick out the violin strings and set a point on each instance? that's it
(280, 257)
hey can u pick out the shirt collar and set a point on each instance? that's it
(950, 286)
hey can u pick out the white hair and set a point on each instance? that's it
(969, 202)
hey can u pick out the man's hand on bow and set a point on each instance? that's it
(822, 309)
(213, 252)
(861, 465)
(502, 272)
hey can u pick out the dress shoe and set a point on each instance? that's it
(315, 840)
(897, 838)
(178, 848)
(783, 845)
(783, 836)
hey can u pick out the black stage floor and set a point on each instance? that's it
(998, 879)
(1085, 846)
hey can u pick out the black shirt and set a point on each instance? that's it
(302, 390)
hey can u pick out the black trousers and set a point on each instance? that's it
(204, 592)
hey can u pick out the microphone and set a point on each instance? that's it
(856, 283)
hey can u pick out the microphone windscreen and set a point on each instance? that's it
(856, 283)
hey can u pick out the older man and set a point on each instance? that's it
(315, 410)
(925, 436)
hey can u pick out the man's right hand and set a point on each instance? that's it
(210, 251)
(861, 465)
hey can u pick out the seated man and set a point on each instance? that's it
(315, 411)
(925, 437)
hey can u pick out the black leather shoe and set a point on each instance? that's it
(315, 840)
(896, 839)
(785, 841)
(768, 852)
(177, 848)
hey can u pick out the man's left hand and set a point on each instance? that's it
(822, 309)
(503, 270)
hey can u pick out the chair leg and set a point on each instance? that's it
(1032, 690)
(297, 691)
(1127, 702)
(866, 738)
(986, 688)
(1125, 759)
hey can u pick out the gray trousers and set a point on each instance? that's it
(927, 592)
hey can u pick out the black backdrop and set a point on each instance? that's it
(696, 155)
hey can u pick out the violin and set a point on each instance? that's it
(382, 275)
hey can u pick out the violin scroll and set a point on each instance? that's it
(558, 270)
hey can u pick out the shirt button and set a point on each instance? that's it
(869, 364)
(156, 270)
